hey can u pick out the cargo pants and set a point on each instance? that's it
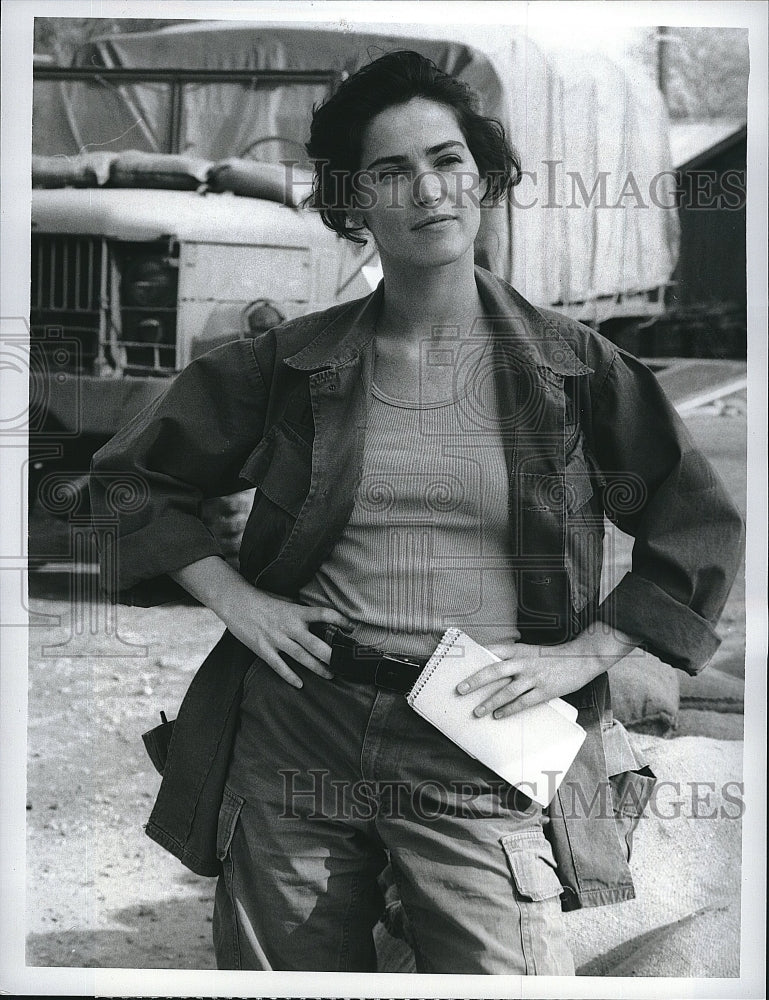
(330, 781)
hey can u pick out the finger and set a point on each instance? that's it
(315, 647)
(487, 674)
(279, 665)
(534, 696)
(328, 615)
(506, 694)
(301, 655)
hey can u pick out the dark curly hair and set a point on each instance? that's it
(338, 124)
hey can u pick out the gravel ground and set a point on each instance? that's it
(100, 894)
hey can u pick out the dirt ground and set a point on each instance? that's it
(100, 893)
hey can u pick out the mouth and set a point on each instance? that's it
(434, 220)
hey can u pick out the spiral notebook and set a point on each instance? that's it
(532, 749)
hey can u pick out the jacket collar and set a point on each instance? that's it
(341, 339)
(535, 340)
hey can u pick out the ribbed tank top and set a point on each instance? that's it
(427, 544)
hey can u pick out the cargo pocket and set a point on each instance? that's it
(229, 812)
(537, 892)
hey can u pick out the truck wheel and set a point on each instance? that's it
(225, 518)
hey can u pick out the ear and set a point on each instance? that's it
(355, 218)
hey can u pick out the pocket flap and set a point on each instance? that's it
(229, 811)
(281, 467)
(618, 749)
(532, 865)
(632, 790)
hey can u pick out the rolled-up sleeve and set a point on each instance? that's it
(148, 482)
(688, 533)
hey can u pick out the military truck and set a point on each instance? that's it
(169, 173)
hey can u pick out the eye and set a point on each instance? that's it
(384, 175)
(446, 161)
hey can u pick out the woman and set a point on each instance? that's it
(439, 453)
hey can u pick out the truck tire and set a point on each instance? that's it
(225, 518)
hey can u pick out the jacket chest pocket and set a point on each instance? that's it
(584, 529)
(281, 469)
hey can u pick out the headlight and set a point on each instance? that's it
(262, 315)
(149, 283)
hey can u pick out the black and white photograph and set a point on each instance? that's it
(384, 508)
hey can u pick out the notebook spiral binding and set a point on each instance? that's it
(448, 639)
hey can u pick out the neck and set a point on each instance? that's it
(419, 299)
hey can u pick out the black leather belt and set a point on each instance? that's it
(368, 665)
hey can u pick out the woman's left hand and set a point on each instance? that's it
(539, 673)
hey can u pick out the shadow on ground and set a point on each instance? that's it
(149, 937)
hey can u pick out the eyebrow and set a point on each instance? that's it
(430, 151)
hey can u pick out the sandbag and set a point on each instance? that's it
(288, 185)
(84, 170)
(717, 725)
(134, 169)
(712, 691)
(645, 694)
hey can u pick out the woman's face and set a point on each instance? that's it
(419, 187)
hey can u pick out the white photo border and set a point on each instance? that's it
(17, 47)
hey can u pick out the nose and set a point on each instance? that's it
(429, 188)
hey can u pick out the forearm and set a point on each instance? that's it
(215, 584)
(270, 625)
(597, 649)
(539, 673)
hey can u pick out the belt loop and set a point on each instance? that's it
(325, 631)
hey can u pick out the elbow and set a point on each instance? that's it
(715, 583)
(733, 529)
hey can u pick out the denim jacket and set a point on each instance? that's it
(587, 433)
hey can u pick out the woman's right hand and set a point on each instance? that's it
(271, 625)
(268, 624)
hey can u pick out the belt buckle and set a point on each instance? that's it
(396, 673)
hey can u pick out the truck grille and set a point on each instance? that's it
(65, 294)
(116, 302)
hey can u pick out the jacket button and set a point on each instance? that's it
(332, 387)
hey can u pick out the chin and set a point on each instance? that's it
(435, 256)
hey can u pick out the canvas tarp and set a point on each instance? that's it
(578, 121)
